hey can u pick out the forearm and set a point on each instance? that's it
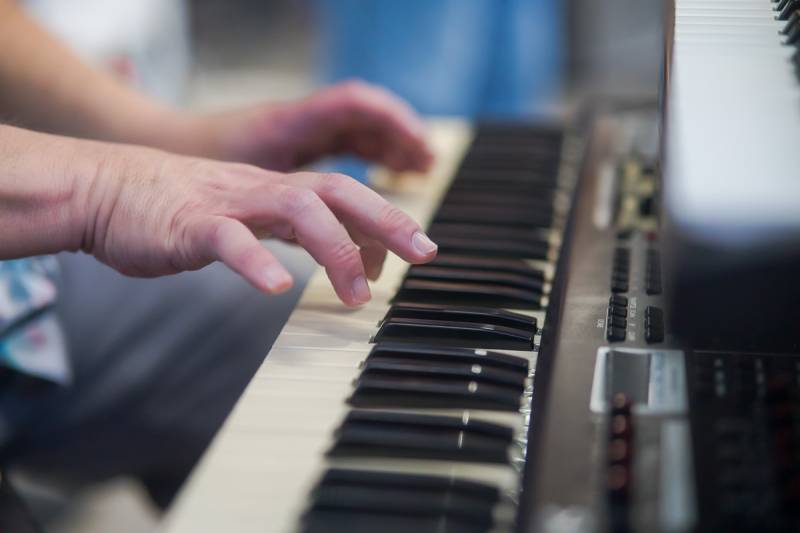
(40, 205)
(44, 86)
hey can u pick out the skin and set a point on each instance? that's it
(158, 191)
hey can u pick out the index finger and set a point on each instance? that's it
(371, 214)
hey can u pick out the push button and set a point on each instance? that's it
(653, 324)
(617, 322)
(616, 310)
(615, 334)
(618, 299)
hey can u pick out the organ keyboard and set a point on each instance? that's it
(428, 423)
(583, 354)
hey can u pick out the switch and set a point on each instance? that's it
(614, 334)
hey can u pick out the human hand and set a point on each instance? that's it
(351, 117)
(149, 213)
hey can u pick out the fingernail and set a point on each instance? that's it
(423, 244)
(361, 292)
(277, 279)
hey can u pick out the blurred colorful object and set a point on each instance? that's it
(145, 42)
(449, 57)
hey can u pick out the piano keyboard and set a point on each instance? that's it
(412, 412)
(545, 375)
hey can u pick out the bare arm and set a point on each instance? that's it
(44, 86)
(147, 212)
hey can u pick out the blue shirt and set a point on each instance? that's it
(472, 58)
(450, 57)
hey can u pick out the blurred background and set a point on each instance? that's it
(453, 57)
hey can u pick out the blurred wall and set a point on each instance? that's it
(143, 42)
(616, 45)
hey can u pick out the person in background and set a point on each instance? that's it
(102, 374)
(501, 58)
(482, 58)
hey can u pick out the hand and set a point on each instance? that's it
(351, 117)
(150, 213)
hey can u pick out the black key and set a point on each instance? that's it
(494, 247)
(370, 499)
(618, 299)
(510, 199)
(546, 196)
(790, 24)
(476, 230)
(786, 11)
(527, 169)
(449, 422)
(393, 390)
(474, 276)
(491, 185)
(793, 36)
(444, 370)
(394, 351)
(406, 494)
(415, 495)
(495, 216)
(473, 489)
(389, 434)
(480, 315)
(512, 266)
(446, 292)
(448, 333)
(344, 521)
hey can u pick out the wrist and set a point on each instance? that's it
(39, 188)
(251, 135)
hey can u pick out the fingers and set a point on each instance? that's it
(318, 230)
(329, 215)
(378, 124)
(231, 242)
(373, 253)
(366, 211)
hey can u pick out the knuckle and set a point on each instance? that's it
(245, 170)
(391, 219)
(344, 254)
(331, 182)
(215, 235)
(296, 200)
